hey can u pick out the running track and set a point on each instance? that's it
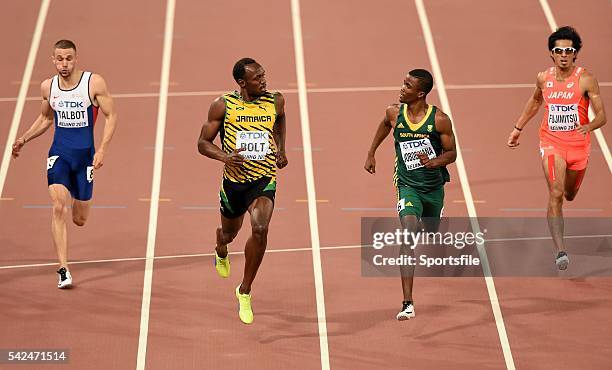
(352, 74)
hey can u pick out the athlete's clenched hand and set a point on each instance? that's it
(426, 162)
(234, 159)
(281, 159)
(370, 164)
(513, 139)
(98, 159)
(584, 129)
(19, 143)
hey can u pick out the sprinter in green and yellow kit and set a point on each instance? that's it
(424, 145)
(251, 126)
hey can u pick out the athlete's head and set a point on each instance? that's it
(64, 57)
(250, 76)
(417, 84)
(564, 45)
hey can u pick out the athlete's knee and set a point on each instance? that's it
(260, 232)
(60, 209)
(556, 195)
(570, 195)
(226, 237)
(79, 220)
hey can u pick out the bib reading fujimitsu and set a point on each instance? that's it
(256, 144)
(411, 149)
(562, 117)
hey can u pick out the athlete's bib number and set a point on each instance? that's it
(51, 161)
(410, 149)
(256, 144)
(90, 173)
(562, 117)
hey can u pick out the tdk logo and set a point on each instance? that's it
(562, 108)
(72, 104)
(253, 135)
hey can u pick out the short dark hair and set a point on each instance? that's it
(425, 79)
(239, 70)
(565, 33)
(64, 44)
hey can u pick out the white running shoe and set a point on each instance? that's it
(407, 311)
(65, 279)
(562, 261)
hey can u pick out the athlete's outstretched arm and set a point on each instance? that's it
(210, 129)
(382, 132)
(589, 84)
(40, 125)
(280, 131)
(530, 110)
(105, 102)
(447, 139)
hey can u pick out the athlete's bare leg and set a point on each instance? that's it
(226, 233)
(80, 211)
(261, 213)
(410, 223)
(573, 180)
(554, 170)
(60, 196)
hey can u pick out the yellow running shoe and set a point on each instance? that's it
(245, 312)
(222, 265)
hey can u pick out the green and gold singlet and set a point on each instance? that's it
(410, 139)
(249, 125)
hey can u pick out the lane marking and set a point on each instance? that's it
(544, 209)
(465, 186)
(179, 94)
(601, 140)
(49, 206)
(300, 70)
(156, 184)
(286, 250)
(368, 209)
(23, 91)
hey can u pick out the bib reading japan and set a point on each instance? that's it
(256, 144)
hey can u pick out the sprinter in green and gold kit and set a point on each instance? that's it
(424, 145)
(251, 126)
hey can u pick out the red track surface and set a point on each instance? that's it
(551, 323)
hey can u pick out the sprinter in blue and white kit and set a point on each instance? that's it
(71, 101)
(70, 160)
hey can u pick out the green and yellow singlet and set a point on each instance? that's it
(410, 139)
(249, 125)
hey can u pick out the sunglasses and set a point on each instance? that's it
(569, 50)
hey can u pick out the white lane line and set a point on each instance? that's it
(310, 184)
(23, 90)
(156, 184)
(313, 90)
(601, 140)
(465, 186)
